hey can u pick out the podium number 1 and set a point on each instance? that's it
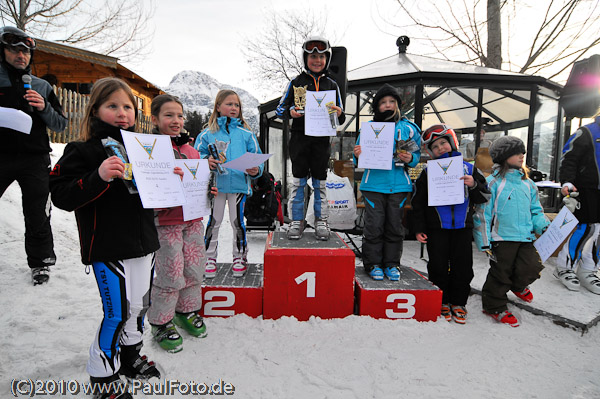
(310, 278)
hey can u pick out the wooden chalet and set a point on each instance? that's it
(76, 70)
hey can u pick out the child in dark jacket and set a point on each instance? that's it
(309, 154)
(448, 229)
(117, 235)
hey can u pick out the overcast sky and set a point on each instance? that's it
(207, 35)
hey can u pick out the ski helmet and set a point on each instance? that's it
(437, 131)
(318, 44)
(15, 37)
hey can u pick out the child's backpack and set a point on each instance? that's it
(263, 208)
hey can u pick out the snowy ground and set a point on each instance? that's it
(46, 332)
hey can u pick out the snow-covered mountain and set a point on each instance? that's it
(197, 92)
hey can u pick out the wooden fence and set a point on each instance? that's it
(73, 105)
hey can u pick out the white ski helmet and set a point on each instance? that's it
(318, 44)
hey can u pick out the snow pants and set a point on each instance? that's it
(296, 203)
(517, 265)
(450, 265)
(179, 271)
(383, 233)
(124, 287)
(31, 171)
(236, 203)
(582, 247)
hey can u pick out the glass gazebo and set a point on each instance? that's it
(469, 98)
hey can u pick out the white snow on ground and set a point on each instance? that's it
(45, 333)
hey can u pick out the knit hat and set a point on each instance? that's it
(505, 147)
(385, 90)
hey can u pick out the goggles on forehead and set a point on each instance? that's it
(429, 137)
(14, 41)
(318, 46)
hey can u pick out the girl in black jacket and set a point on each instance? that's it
(117, 235)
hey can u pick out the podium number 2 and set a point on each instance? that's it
(310, 278)
(404, 302)
(218, 308)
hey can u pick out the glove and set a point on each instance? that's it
(571, 201)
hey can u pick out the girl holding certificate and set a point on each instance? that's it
(230, 137)
(448, 229)
(505, 227)
(385, 191)
(177, 292)
(117, 235)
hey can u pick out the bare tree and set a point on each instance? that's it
(542, 36)
(275, 56)
(112, 27)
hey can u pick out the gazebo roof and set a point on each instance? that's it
(451, 89)
(404, 64)
(405, 67)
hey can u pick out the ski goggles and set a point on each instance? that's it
(318, 46)
(13, 40)
(430, 136)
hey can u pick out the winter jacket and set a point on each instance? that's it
(239, 141)
(182, 150)
(11, 96)
(113, 225)
(513, 212)
(320, 82)
(457, 216)
(395, 180)
(580, 164)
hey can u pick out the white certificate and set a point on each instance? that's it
(443, 181)
(560, 228)
(152, 163)
(377, 145)
(317, 121)
(196, 176)
(247, 161)
(15, 119)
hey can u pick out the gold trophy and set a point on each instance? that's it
(300, 98)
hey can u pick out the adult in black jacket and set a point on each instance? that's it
(25, 157)
(580, 175)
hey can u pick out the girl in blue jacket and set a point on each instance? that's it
(505, 227)
(385, 191)
(228, 130)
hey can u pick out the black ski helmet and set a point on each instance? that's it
(15, 37)
(318, 44)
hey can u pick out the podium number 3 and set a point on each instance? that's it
(404, 302)
(310, 278)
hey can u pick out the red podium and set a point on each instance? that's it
(413, 297)
(226, 295)
(307, 277)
